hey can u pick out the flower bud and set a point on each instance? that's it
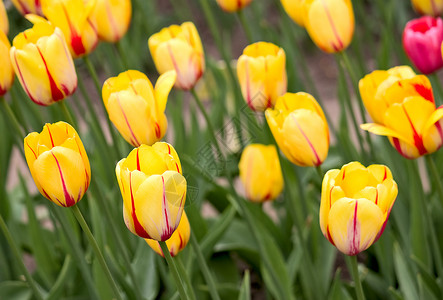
(260, 172)
(422, 40)
(179, 48)
(73, 17)
(355, 205)
(432, 8)
(231, 6)
(112, 18)
(261, 70)
(330, 23)
(295, 9)
(28, 7)
(153, 191)
(178, 240)
(300, 129)
(42, 62)
(4, 23)
(136, 108)
(6, 71)
(58, 163)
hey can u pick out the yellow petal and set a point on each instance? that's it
(163, 86)
(233, 5)
(174, 164)
(295, 9)
(6, 71)
(112, 18)
(354, 224)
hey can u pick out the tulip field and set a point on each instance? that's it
(221, 149)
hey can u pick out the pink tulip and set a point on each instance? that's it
(422, 40)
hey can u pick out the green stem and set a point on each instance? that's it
(67, 114)
(434, 173)
(437, 83)
(121, 54)
(208, 122)
(12, 118)
(174, 271)
(181, 270)
(78, 215)
(319, 172)
(354, 272)
(244, 23)
(204, 268)
(18, 256)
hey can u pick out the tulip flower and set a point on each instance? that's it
(295, 9)
(73, 17)
(428, 7)
(136, 108)
(422, 40)
(300, 129)
(260, 172)
(231, 6)
(112, 18)
(404, 111)
(179, 48)
(153, 191)
(41, 60)
(4, 23)
(355, 205)
(28, 7)
(58, 163)
(330, 23)
(178, 241)
(6, 71)
(261, 71)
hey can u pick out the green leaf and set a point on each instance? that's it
(66, 274)
(145, 270)
(405, 275)
(15, 290)
(425, 291)
(245, 289)
(338, 291)
(427, 278)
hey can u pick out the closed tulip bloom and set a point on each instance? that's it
(330, 23)
(408, 116)
(300, 129)
(428, 7)
(73, 17)
(136, 108)
(233, 5)
(4, 23)
(178, 240)
(44, 67)
(6, 71)
(58, 163)
(422, 40)
(179, 48)
(260, 172)
(112, 18)
(295, 9)
(28, 7)
(355, 205)
(153, 190)
(261, 71)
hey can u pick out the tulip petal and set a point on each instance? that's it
(168, 149)
(354, 224)
(163, 86)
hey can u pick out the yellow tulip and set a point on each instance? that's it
(58, 163)
(4, 23)
(261, 71)
(28, 6)
(300, 129)
(178, 240)
(73, 17)
(428, 7)
(6, 71)
(41, 60)
(355, 205)
(136, 108)
(179, 48)
(153, 190)
(260, 172)
(295, 9)
(330, 23)
(112, 18)
(403, 109)
(233, 5)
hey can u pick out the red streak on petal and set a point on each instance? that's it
(248, 87)
(139, 230)
(56, 93)
(166, 235)
(86, 172)
(24, 83)
(177, 69)
(318, 162)
(112, 22)
(50, 136)
(35, 155)
(386, 174)
(397, 146)
(425, 92)
(376, 197)
(138, 160)
(329, 236)
(69, 200)
(181, 245)
(337, 36)
(24, 8)
(134, 139)
(157, 130)
(418, 141)
(353, 247)
(76, 39)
